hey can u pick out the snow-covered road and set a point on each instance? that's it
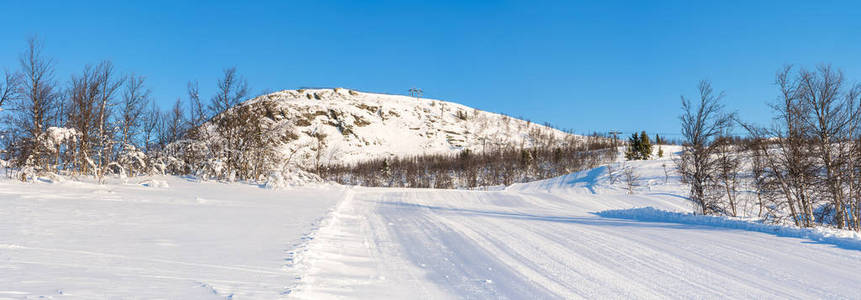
(521, 245)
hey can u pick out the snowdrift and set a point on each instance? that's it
(841, 238)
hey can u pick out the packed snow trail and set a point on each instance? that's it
(533, 243)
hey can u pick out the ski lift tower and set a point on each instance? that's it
(416, 92)
(615, 134)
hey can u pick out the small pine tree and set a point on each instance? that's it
(632, 150)
(639, 147)
(660, 151)
(645, 147)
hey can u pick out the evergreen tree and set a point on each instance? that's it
(639, 147)
(645, 147)
(632, 150)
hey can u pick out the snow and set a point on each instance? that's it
(153, 238)
(841, 238)
(576, 236)
(60, 135)
(543, 240)
(359, 126)
(467, 244)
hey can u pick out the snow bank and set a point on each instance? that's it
(155, 183)
(841, 238)
(280, 180)
(587, 179)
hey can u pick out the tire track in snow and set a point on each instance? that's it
(455, 261)
(587, 256)
(352, 255)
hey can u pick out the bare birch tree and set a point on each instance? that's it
(135, 99)
(232, 89)
(702, 122)
(9, 88)
(108, 83)
(34, 105)
(197, 111)
(833, 113)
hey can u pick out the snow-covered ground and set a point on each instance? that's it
(539, 240)
(170, 239)
(545, 240)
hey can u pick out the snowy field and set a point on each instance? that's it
(574, 236)
(174, 239)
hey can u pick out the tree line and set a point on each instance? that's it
(99, 121)
(804, 168)
(468, 169)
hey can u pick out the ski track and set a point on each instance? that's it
(543, 245)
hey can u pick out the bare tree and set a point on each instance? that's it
(108, 83)
(232, 88)
(176, 123)
(81, 115)
(807, 154)
(9, 89)
(758, 179)
(631, 178)
(702, 122)
(785, 152)
(135, 98)
(854, 179)
(611, 174)
(196, 110)
(793, 168)
(831, 123)
(728, 169)
(33, 103)
(666, 173)
(151, 121)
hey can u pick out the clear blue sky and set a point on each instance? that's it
(590, 66)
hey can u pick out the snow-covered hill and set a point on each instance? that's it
(355, 126)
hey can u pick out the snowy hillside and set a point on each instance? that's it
(356, 126)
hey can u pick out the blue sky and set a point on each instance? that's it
(588, 66)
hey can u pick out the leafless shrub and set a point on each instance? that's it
(469, 169)
(631, 178)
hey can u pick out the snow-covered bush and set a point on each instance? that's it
(132, 160)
